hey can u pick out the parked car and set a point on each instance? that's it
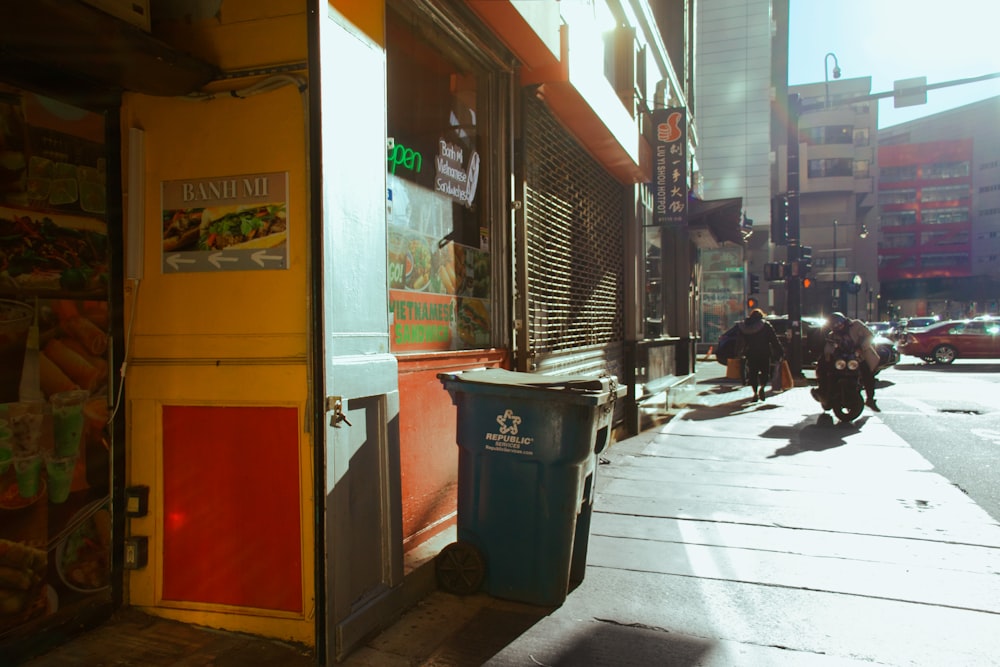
(944, 342)
(881, 328)
(916, 323)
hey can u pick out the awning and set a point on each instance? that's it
(69, 49)
(714, 222)
(586, 105)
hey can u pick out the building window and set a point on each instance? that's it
(941, 260)
(897, 174)
(836, 166)
(899, 218)
(899, 240)
(944, 238)
(896, 262)
(945, 170)
(861, 136)
(861, 169)
(897, 196)
(943, 216)
(828, 134)
(944, 193)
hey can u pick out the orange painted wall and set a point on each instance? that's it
(428, 450)
(205, 346)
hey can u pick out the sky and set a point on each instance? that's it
(899, 39)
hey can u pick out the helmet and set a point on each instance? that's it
(838, 321)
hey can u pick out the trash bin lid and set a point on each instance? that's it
(577, 385)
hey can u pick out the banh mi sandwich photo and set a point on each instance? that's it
(262, 226)
(473, 321)
(22, 587)
(181, 229)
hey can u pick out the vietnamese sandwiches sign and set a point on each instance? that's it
(451, 177)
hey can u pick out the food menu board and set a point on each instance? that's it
(52, 254)
(438, 289)
(55, 542)
(55, 517)
(51, 155)
(53, 233)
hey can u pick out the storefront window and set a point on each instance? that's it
(722, 290)
(438, 234)
(653, 305)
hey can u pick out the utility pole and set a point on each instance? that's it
(794, 283)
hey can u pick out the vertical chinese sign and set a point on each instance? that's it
(670, 191)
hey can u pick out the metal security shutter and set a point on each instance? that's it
(574, 229)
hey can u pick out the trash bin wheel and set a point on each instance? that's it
(460, 568)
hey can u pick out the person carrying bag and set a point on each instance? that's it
(760, 347)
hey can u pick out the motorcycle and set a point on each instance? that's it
(842, 392)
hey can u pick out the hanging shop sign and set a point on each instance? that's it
(670, 191)
(452, 179)
(228, 223)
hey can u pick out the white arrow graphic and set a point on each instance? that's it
(175, 260)
(261, 256)
(218, 258)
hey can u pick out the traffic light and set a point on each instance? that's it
(806, 258)
(774, 271)
(754, 283)
(751, 303)
(807, 283)
(779, 220)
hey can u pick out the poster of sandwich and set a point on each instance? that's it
(228, 223)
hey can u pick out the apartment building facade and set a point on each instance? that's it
(838, 210)
(939, 200)
(741, 52)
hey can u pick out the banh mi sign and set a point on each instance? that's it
(229, 223)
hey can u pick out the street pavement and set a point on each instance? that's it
(736, 533)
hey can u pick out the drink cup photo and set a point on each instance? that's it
(28, 470)
(59, 470)
(25, 422)
(15, 319)
(6, 446)
(67, 420)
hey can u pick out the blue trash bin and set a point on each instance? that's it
(528, 446)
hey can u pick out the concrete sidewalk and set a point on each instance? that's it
(735, 534)
(744, 534)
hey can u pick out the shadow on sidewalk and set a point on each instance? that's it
(810, 436)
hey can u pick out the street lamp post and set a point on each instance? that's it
(826, 73)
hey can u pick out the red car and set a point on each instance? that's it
(944, 342)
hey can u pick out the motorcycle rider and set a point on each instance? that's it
(760, 347)
(857, 334)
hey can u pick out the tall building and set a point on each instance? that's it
(939, 195)
(741, 53)
(837, 203)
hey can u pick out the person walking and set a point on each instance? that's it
(760, 348)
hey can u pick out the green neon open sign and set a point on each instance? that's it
(407, 157)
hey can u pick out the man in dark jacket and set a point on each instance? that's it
(760, 347)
